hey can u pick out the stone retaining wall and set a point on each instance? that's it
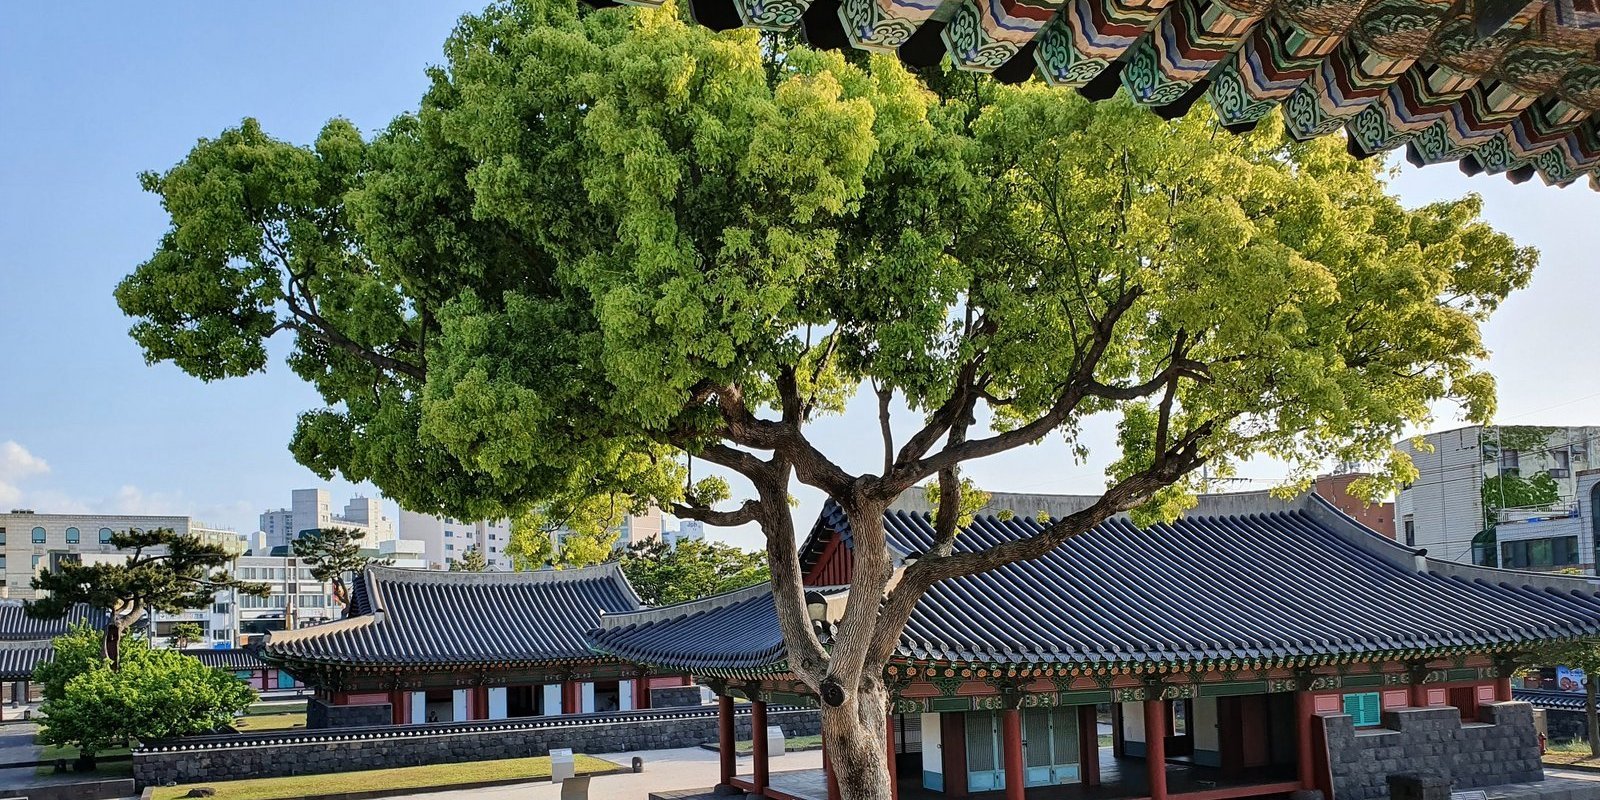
(222, 758)
(320, 714)
(675, 697)
(1502, 748)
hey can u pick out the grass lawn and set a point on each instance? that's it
(1105, 740)
(102, 768)
(792, 744)
(418, 778)
(1575, 753)
(269, 722)
(277, 708)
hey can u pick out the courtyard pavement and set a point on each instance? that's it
(664, 770)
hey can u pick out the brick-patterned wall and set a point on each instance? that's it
(1503, 748)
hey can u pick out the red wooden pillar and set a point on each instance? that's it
(397, 707)
(1089, 746)
(1305, 711)
(571, 697)
(641, 692)
(1011, 748)
(727, 748)
(758, 744)
(480, 702)
(1155, 747)
(894, 777)
(1502, 689)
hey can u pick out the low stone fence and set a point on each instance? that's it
(1502, 748)
(231, 757)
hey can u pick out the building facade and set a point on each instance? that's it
(30, 542)
(1254, 643)
(1513, 496)
(310, 509)
(445, 539)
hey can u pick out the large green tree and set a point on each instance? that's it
(611, 246)
(155, 694)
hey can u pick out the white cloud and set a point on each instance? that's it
(131, 499)
(16, 463)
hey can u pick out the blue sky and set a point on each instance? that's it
(93, 93)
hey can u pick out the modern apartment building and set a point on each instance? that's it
(30, 541)
(445, 539)
(312, 508)
(1516, 496)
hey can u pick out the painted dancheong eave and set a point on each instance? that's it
(1510, 88)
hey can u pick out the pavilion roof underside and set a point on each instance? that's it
(1500, 86)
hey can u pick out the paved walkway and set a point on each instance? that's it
(688, 768)
(16, 746)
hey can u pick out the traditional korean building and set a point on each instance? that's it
(1253, 648)
(1498, 87)
(426, 646)
(25, 643)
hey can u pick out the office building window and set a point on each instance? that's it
(1510, 462)
(2, 536)
(1560, 464)
(72, 536)
(36, 561)
(38, 535)
(105, 536)
(1557, 551)
(1411, 532)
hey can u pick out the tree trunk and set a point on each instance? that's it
(1591, 687)
(854, 734)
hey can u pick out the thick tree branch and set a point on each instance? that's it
(749, 511)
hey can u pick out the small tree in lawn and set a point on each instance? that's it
(333, 554)
(187, 633)
(163, 571)
(612, 248)
(73, 653)
(471, 560)
(1581, 654)
(156, 694)
(663, 574)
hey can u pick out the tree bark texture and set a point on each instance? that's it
(854, 735)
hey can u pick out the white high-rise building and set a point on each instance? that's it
(310, 509)
(445, 539)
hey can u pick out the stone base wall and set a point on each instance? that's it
(675, 697)
(223, 758)
(326, 715)
(1502, 748)
(1564, 725)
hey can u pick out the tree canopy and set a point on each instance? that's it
(663, 574)
(472, 560)
(161, 570)
(611, 247)
(333, 554)
(155, 694)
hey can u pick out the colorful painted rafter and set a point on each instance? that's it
(1501, 86)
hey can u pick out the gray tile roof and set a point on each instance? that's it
(18, 659)
(1565, 701)
(231, 658)
(420, 618)
(16, 625)
(1300, 582)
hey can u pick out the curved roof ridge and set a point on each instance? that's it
(549, 575)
